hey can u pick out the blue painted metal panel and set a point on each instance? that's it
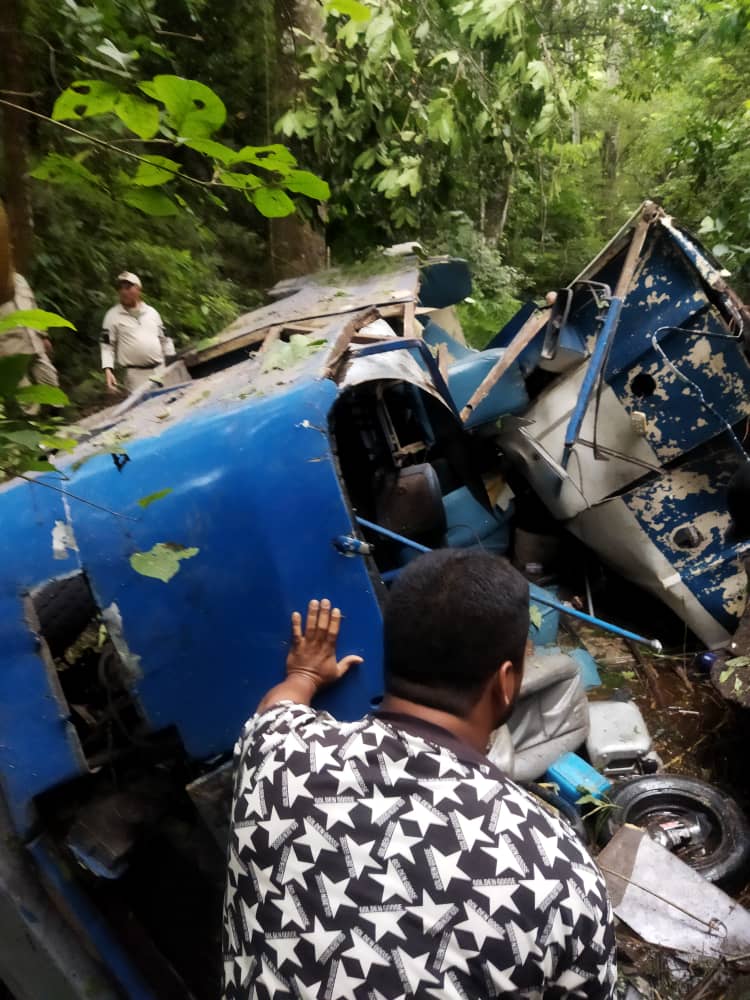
(38, 746)
(669, 300)
(694, 495)
(256, 491)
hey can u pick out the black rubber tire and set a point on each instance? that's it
(64, 609)
(729, 854)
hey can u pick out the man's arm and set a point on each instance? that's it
(311, 663)
(108, 345)
(167, 344)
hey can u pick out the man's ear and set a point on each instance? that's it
(506, 686)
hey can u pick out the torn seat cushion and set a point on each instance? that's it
(551, 717)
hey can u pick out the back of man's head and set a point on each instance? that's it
(452, 618)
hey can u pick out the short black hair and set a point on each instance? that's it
(452, 618)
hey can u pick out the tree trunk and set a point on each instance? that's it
(295, 246)
(15, 133)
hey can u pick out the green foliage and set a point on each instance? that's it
(286, 354)
(161, 562)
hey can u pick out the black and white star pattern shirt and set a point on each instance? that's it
(385, 859)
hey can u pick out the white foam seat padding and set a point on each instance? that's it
(550, 717)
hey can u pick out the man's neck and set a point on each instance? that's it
(469, 730)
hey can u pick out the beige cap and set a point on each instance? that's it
(128, 276)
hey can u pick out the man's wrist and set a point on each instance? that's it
(306, 684)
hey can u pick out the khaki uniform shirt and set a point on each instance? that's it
(134, 338)
(22, 340)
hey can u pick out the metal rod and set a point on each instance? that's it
(537, 593)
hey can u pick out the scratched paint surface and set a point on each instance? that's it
(694, 496)
(668, 299)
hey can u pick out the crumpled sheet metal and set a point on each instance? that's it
(668, 903)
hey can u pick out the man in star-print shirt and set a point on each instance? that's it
(388, 858)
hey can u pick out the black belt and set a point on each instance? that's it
(142, 368)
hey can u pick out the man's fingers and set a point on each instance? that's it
(312, 618)
(349, 661)
(334, 625)
(324, 617)
(296, 627)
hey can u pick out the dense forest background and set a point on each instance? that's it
(518, 133)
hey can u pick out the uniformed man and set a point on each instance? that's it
(133, 338)
(24, 340)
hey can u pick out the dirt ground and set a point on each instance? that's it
(696, 733)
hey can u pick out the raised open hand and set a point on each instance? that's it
(313, 652)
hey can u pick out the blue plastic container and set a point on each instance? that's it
(575, 777)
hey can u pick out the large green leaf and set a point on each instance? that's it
(85, 98)
(303, 182)
(58, 169)
(272, 203)
(275, 157)
(285, 354)
(150, 202)
(12, 369)
(216, 150)
(158, 170)
(139, 116)
(242, 182)
(48, 395)
(37, 319)
(193, 109)
(161, 562)
(349, 8)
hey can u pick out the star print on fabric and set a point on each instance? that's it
(523, 942)
(366, 952)
(469, 831)
(324, 942)
(548, 846)
(451, 989)
(337, 811)
(445, 867)
(506, 857)
(434, 915)
(396, 843)
(499, 981)
(294, 786)
(322, 756)
(278, 829)
(304, 992)
(424, 815)
(448, 764)
(498, 892)
(452, 956)
(290, 909)
(544, 889)
(292, 868)
(394, 771)
(394, 883)
(341, 986)
(262, 880)
(441, 789)
(575, 902)
(348, 779)
(400, 869)
(385, 920)
(316, 838)
(284, 946)
(271, 978)
(413, 969)
(333, 893)
(358, 856)
(480, 925)
(506, 820)
(484, 788)
(381, 807)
